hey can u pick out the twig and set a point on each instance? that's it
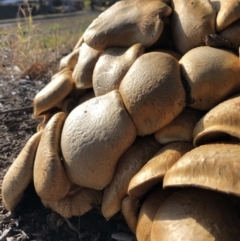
(16, 109)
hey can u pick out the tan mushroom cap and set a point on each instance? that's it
(147, 212)
(20, 174)
(112, 66)
(134, 22)
(54, 92)
(50, 180)
(228, 12)
(83, 71)
(70, 60)
(76, 203)
(152, 91)
(191, 22)
(181, 128)
(220, 123)
(130, 212)
(94, 136)
(212, 166)
(142, 150)
(154, 170)
(195, 214)
(208, 69)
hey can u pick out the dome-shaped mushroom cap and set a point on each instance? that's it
(133, 22)
(212, 166)
(50, 180)
(111, 67)
(208, 69)
(83, 71)
(147, 212)
(220, 122)
(152, 91)
(154, 170)
(142, 150)
(95, 134)
(181, 128)
(195, 214)
(228, 12)
(70, 60)
(20, 174)
(191, 22)
(76, 203)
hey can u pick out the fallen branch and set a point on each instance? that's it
(16, 109)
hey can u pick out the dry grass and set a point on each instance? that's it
(38, 45)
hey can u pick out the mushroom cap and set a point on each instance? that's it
(95, 134)
(152, 91)
(112, 66)
(219, 123)
(75, 203)
(20, 174)
(70, 60)
(142, 150)
(181, 128)
(154, 170)
(135, 22)
(195, 214)
(54, 92)
(191, 22)
(212, 166)
(83, 71)
(50, 180)
(207, 69)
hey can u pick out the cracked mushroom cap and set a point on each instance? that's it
(181, 128)
(191, 22)
(112, 66)
(154, 170)
(50, 180)
(212, 166)
(131, 21)
(76, 203)
(142, 150)
(206, 70)
(195, 214)
(20, 174)
(152, 91)
(219, 124)
(95, 135)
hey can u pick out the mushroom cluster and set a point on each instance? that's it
(148, 102)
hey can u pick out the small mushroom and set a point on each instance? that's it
(131, 21)
(128, 165)
(70, 60)
(50, 180)
(152, 91)
(212, 166)
(195, 214)
(220, 124)
(95, 135)
(20, 174)
(154, 170)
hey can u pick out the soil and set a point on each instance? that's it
(31, 220)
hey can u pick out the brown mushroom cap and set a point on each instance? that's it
(220, 123)
(208, 69)
(20, 174)
(128, 165)
(212, 166)
(131, 21)
(195, 214)
(75, 203)
(70, 60)
(191, 22)
(111, 67)
(154, 170)
(152, 91)
(50, 180)
(181, 128)
(94, 136)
